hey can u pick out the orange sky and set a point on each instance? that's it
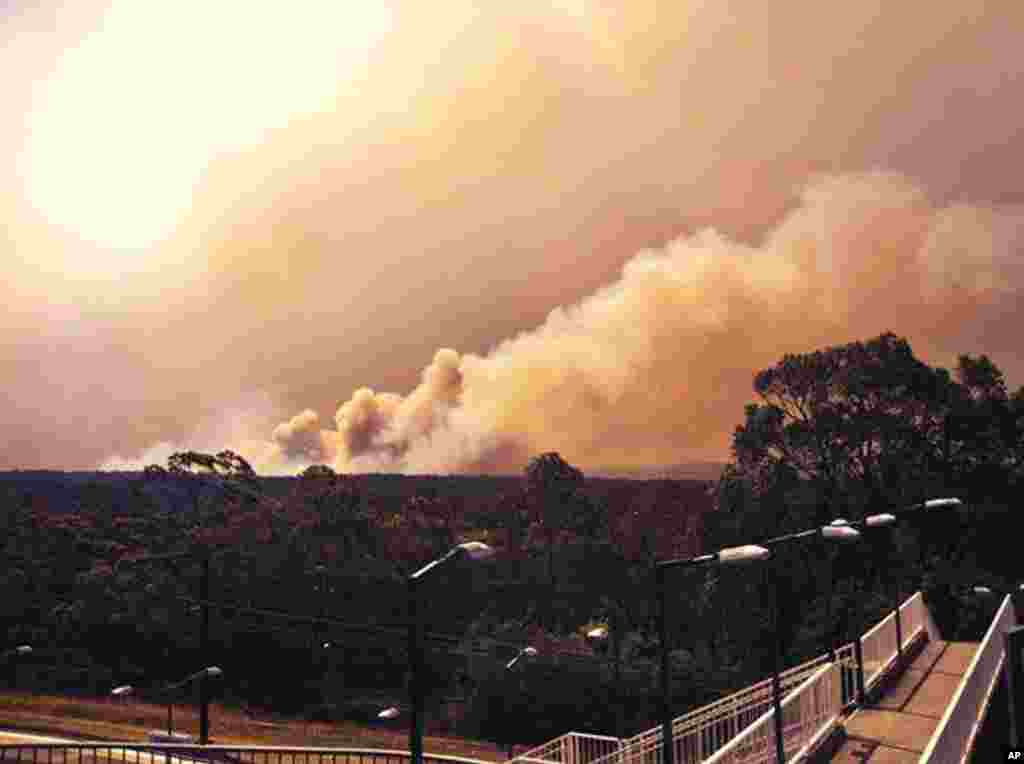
(218, 220)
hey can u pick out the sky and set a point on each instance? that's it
(445, 237)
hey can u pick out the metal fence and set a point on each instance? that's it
(808, 714)
(173, 753)
(698, 733)
(701, 732)
(954, 737)
(878, 645)
(573, 748)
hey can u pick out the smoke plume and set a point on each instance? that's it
(655, 368)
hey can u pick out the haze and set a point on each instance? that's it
(444, 238)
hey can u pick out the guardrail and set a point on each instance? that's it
(878, 645)
(808, 714)
(174, 753)
(701, 732)
(954, 737)
(573, 748)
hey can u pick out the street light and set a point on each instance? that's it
(887, 519)
(600, 634)
(839, 531)
(209, 671)
(472, 550)
(1013, 640)
(204, 630)
(728, 556)
(1016, 594)
(15, 652)
(525, 652)
(528, 652)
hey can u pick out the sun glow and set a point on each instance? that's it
(124, 126)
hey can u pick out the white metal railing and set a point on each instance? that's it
(878, 645)
(701, 732)
(697, 735)
(573, 748)
(954, 737)
(808, 714)
(74, 752)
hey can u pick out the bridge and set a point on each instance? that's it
(922, 700)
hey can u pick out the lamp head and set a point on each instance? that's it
(598, 632)
(737, 555)
(942, 503)
(23, 649)
(476, 550)
(214, 671)
(840, 533)
(982, 591)
(530, 652)
(124, 689)
(876, 521)
(388, 713)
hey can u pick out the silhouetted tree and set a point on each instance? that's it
(553, 490)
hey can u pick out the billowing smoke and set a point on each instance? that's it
(655, 368)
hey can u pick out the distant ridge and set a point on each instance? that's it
(692, 471)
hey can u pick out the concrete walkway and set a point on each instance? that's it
(896, 729)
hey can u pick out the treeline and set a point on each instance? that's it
(297, 564)
(568, 546)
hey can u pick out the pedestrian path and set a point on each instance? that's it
(896, 728)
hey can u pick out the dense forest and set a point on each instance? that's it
(306, 594)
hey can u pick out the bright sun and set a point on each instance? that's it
(122, 129)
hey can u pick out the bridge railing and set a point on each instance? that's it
(953, 739)
(878, 645)
(175, 753)
(808, 714)
(701, 732)
(697, 733)
(573, 748)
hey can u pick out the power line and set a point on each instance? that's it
(464, 644)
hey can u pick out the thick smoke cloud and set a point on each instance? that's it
(655, 368)
(480, 165)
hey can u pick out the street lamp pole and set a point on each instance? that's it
(15, 652)
(204, 690)
(204, 627)
(528, 652)
(601, 634)
(668, 755)
(727, 556)
(887, 519)
(202, 675)
(473, 550)
(839, 531)
(1013, 639)
(415, 719)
